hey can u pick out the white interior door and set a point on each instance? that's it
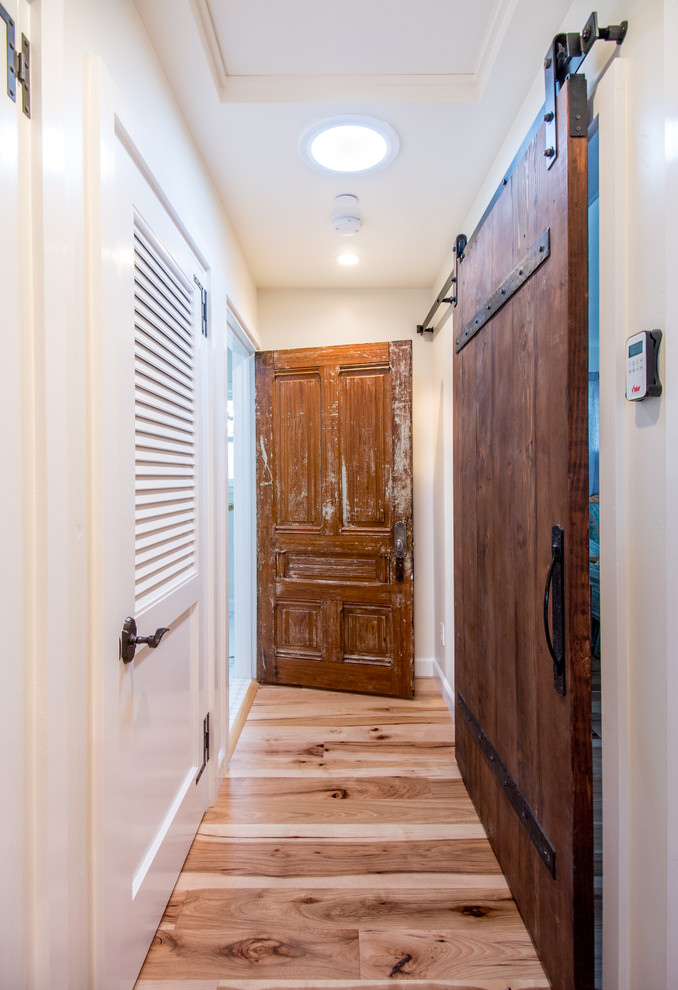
(149, 507)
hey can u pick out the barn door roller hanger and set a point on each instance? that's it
(563, 59)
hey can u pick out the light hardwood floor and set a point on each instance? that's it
(343, 854)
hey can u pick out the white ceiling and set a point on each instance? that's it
(448, 75)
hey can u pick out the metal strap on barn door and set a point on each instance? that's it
(516, 798)
(527, 266)
(555, 591)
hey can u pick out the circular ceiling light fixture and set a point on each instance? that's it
(348, 258)
(349, 144)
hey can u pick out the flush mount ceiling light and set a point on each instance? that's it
(350, 143)
(348, 259)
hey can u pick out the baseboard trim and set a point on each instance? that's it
(241, 717)
(445, 688)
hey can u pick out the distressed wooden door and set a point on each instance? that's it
(521, 518)
(334, 518)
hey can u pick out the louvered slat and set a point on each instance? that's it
(157, 323)
(155, 586)
(143, 499)
(156, 557)
(153, 269)
(147, 537)
(165, 425)
(170, 386)
(144, 397)
(168, 368)
(166, 287)
(157, 446)
(149, 415)
(153, 334)
(171, 522)
(148, 455)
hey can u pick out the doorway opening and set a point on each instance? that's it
(241, 520)
(594, 539)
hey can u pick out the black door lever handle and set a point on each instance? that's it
(129, 639)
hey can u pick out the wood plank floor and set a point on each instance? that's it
(343, 854)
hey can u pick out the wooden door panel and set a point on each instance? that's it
(366, 634)
(334, 474)
(348, 567)
(298, 450)
(365, 443)
(299, 629)
(520, 439)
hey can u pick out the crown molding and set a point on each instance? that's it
(372, 88)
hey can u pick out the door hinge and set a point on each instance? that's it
(18, 64)
(203, 305)
(205, 746)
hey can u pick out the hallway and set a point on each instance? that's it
(343, 852)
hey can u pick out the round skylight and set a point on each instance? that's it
(350, 144)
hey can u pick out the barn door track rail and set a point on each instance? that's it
(444, 294)
(563, 60)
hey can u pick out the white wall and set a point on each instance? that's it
(639, 480)
(57, 670)
(442, 352)
(317, 317)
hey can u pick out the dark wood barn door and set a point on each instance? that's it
(521, 468)
(334, 518)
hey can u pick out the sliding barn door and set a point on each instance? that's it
(334, 518)
(521, 551)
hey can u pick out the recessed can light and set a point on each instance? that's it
(350, 143)
(348, 259)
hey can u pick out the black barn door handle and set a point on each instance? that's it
(555, 591)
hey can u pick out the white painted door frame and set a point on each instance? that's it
(631, 665)
(16, 416)
(244, 594)
(671, 399)
(610, 106)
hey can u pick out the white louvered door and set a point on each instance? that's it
(165, 423)
(152, 499)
